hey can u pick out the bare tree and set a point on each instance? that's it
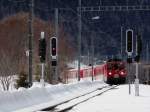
(14, 43)
(7, 69)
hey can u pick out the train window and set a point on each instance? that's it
(121, 66)
(115, 66)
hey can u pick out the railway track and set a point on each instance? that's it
(65, 106)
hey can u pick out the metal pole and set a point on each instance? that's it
(121, 42)
(42, 76)
(88, 58)
(147, 54)
(79, 38)
(137, 69)
(147, 61)
(30, 40)
(42, 65)
(136, 81)
(148, 78)
(56, 32)
(92, 46)
(129, 80)
(42, 70)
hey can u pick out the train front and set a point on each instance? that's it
(116, 72)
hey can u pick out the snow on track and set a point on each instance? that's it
(82, 99)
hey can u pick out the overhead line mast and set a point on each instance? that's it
(31, 11)
(79, 38)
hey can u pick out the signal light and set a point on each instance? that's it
(42, 48)
(139, 44)
(138, 48)
(129, 41)
(53, 46)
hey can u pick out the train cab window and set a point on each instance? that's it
(115, 66)
(121, 66)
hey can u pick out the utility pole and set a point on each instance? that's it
(79, 38)
(147, 62)
(136, 73)
(88, 58)
(57, 35)
(31, 11)
(147, 54)
(121, 47)
(92, 48)
(137, 59)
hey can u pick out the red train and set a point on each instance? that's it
(112, 72)
(115, 71)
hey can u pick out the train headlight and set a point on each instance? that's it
(109, 73)
(122, 73)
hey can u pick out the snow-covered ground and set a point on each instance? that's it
(118, 100)
(37, 97)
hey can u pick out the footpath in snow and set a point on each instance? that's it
(37, 98)
(118, 100)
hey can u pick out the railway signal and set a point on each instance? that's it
(53, 50)
(53, 53)
(42, 54)
(42, 48)
(138, 47)
(129, 50)
(129, 42)
(53, 47)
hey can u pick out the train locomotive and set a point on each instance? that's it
(115, 71)
(112, 72)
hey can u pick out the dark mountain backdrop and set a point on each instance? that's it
(106, 31)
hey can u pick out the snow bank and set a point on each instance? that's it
(35, 98)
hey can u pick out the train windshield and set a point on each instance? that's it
(115, 65)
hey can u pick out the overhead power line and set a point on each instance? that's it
(116, 8)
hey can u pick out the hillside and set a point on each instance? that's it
(106, 30)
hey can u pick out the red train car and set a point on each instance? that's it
(85, 73)
(111, 72)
